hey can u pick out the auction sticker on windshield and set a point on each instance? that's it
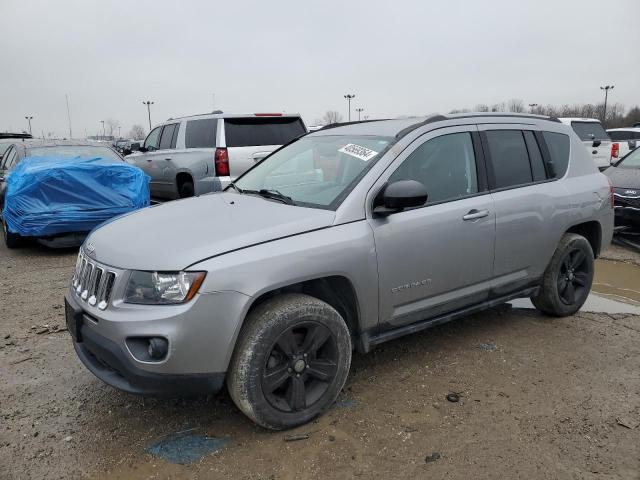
(358, 151)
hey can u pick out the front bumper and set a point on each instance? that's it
(626, 216)
(107, 361)
(200, 336)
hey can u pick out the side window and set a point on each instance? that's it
(620, 135)
(445, 165)
(5, 158)
(151, 142)
(167, 136)
(537, 163)
(10, 161)
(558, 145)
(509, 158)
(175, 136)
(201, 133)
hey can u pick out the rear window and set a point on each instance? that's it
(558, 146)
(254, 131)
(83, 151)
(590, 131)
(201, 133)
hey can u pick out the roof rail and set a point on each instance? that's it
(411, 128)
(440, 118)
(355, 122)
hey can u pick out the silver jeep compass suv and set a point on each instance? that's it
(349, 236)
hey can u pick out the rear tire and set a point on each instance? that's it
(11, 240)
(568, 278)
(186, 190)
(291, 360)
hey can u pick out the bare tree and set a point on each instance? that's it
(137, 132)
(515, 105)
(331, 116)
(481, 107)
(111, 126)
(498, 107)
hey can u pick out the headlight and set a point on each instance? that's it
(153, 288)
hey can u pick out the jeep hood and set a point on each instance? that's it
(177, 234)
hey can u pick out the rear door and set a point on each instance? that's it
(596, 140)
(525, 201)
(250, 139)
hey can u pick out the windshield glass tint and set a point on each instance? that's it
(316, 171)
(632, 160)
(74, 151)
(590, 131)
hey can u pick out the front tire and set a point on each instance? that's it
(568, 278)
(291, 361)
(11, 240)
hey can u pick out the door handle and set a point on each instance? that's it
(148, 159)
(475, 214)
(168, 159)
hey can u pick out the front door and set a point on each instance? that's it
(436, 258)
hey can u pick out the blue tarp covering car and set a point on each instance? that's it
(49, 196)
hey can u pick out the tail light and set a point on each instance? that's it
(610, 191)
(615, 148)
(221, 161)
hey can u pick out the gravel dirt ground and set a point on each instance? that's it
(538, 398)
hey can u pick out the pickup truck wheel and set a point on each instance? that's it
(567, 280)
(186, 190)
(291, 361)
(11, 240)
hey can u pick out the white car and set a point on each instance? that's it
(624, 140)
(594, 137)
(204, 153)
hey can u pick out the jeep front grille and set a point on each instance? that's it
(92, 282)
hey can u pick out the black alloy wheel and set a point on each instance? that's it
(573, 276)
(300, 367)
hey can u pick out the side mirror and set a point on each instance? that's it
(400, 195)
(125, 152)
(143, 149)
(596, 143)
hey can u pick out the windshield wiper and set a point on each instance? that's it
(272, 194)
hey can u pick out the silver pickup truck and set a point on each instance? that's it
(200, 154)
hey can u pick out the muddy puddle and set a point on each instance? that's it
(616, 289)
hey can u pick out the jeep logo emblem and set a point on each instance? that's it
(90, 248)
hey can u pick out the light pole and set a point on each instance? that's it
(532, 106)
(148, 104)
(119, 134)
(103, 133)
(29, 120)
(349, 97)
(606, 94)
(359, 110)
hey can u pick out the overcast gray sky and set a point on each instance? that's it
(398, 58)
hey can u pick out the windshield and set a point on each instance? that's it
(316, 171)
(3, 148)
(632, 160)
(590, 131)
(83, 151)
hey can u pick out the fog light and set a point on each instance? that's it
(157, 348)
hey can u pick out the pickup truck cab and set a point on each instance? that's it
(594, 138)
(348, 237)
(624, 140)
(203, 153)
